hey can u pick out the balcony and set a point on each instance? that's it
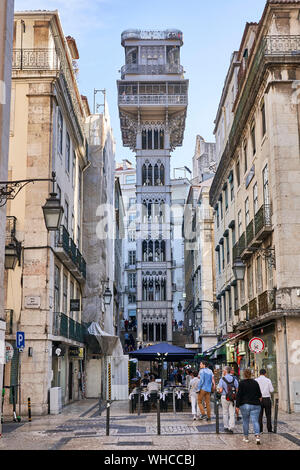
(263, 222)
(164, 69)
(253, 310)
(153, 100)
(67, 327)
(130, 290)
(130, 266)
(35, 59)
(69, 254)
(266, 302)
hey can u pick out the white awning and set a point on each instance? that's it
(110, 344)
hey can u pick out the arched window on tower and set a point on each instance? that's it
(162, 139)
(156, 140)
(149, 139)
(144, 139)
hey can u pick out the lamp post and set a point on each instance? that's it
(239, 269)
(161, 359)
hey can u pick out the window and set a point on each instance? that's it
(72, 292)
(217, 216)
(231, 188)
(74, 169)
(66, 214)
(253, 140)
(58, 191)
(68, 152)
(247, 212)
(229, 304)
(221, 208)
(226, 197)
(78, 237)
(227, 250)
(223, 256)
(131, 236)
(250, 282)
(56, 289)
(130, 179)
(236, 298)
(266, 185)
(132, 201)
(131, 257)
(263, 119)
(242, 291)
(131, 219)
(259, 285)
(238, 174)
(79, 184)
(239, 223)
(60, 132)
(219, 262)
(131, 280)
(65, 294)
(245, 156)
(131, 298)
(255, 199)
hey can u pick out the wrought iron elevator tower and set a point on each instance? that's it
(152, 100)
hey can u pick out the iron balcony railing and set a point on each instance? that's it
(139, 100)
(151, 69)
(67, 327)
(263, 218)
(250, 232)
(282, 45)
(35, 59)
(253, 311)
(266, 302)
(63, 240)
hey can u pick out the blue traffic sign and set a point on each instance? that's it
(20, 340)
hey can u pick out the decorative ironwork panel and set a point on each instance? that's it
(263, 218)
(282, 45)
(253, 309)
(250, 232)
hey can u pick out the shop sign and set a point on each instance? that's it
(76, 352)
(9, 352)
(75, 305)
(256, 345)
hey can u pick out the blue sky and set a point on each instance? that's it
(212, 31)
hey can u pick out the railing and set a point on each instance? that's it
(153, 99)
(263, 218)
(250, 232)
(63, 240)
(282, 45)
(151, 69)
(67, 327)
(253, 309)
(35, 59)
(266, 302)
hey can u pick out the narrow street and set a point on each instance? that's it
(79, 427)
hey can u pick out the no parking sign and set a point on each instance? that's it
(256, 345)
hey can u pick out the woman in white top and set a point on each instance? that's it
(193, 388)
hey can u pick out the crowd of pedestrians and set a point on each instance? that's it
(251, 397)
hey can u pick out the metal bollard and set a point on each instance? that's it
(217, 417)
(275, 416)
(29, 409)
(139, 402)
(107, 417)
(158, 416)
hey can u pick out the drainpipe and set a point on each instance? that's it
(287, 366)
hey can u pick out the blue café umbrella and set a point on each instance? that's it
(171, 353)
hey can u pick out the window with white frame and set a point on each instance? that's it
(60, 129)
(255, 198)
(68, 153)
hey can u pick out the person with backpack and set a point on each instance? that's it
(228, 387)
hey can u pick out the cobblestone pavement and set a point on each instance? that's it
(80, 427)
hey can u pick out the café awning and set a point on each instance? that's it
(152, 353)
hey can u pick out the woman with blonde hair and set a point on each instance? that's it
(248, 400)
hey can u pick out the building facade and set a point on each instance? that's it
(255, 196)
(6, 40)
(152, 98)
(44, 291)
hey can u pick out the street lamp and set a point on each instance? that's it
(12, 255)
(53, 212)
(107, 296)
(161, 359)
(239, 269)
(52, 209)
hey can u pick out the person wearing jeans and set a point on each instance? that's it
(248, 400)
(228, 407)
